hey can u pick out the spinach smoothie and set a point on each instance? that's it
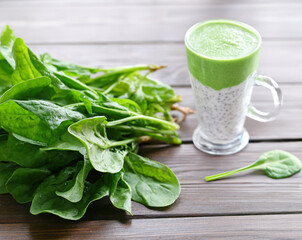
(222, 60)
(222, 53)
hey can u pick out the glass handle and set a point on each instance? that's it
(258, 115)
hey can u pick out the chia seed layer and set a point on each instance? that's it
(221, 114)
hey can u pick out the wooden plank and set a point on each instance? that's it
(286, 126)
(73, 23)
(173, 55)
(270, 227)
(249, 193)
(150, 2)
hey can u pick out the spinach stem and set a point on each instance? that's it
(225, 174)
(73, 105)
(140, 129)
(171, 125)
(123, 142)
(166, 139)
(110, 87)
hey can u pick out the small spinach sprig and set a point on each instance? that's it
(276, 164)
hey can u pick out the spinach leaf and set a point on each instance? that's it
(30, 156)
(6, 54)
(28, 89)
(92, 133)
(7, 37)
(24, 181)
(64, 86)
(69, 69)
(74, 189)
(5, 79)
(46, 200)
(22, 153)
(120, 191)
(24, 67)
(7, 63)
(55, 116)
(152, 184)
(66, 142)
(276, 164)
(6, 170)
(144, 91)
(112, 75)
(41, 121)
(15, 119)
(129, 104)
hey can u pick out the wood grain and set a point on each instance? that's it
(272, 60)
(270, 227)
(98, 22)
(286, 126)
(248, 193)
(150, 2)
(112, 32)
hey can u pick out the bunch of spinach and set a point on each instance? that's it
(69, 134)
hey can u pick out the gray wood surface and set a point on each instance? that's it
(108, 33)
(270, 227)
(66, 22)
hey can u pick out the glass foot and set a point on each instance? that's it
(220, 149)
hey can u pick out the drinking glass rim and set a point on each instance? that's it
(236, 23)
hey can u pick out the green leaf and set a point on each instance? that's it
(66, 142)
(46, 200)
(129, 104)
(276, 164)
(7, 37)
(7, 62)
(14, 118)
(30, 156)
(6, 170)
(92, 133)
(152, 184)
(6, 53)
(144, 90)
(24, 181)
(75, 187)
(34, 61)
(4, 85)
(120, 191)
(52, 114)
(22, 153)
(111, 76)
(24, 68)
(41, 121)
(27, 89)
(69, 68)
(28, 66)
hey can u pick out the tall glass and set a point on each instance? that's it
(223, 82)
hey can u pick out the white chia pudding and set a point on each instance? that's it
(221, 114)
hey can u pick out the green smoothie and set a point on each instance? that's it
(222, 53)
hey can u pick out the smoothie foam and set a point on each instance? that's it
(222, 53)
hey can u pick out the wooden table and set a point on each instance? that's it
(111, 33)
